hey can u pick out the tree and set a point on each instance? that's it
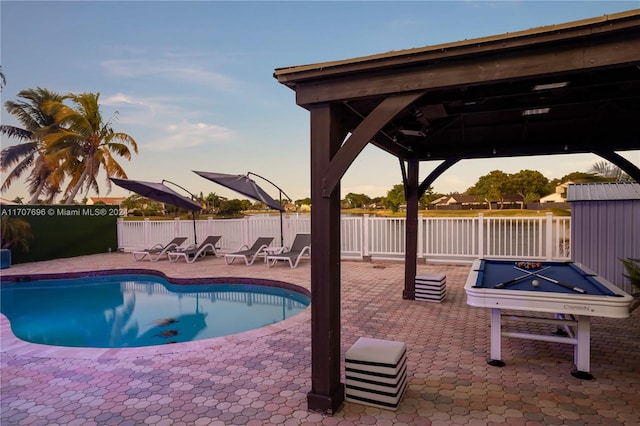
(490, 187)
(211, 201)
(145, 206)
(378, 201)
(354, 201)
(30, 154)
(230, 208)
(426, 198)
(84, 144)
(246, 204)
(303, 201)
(609, 171)
(632, 267)
(3, 80)
(529, 184)
(15, 233)
(395, 197)
(581, 177)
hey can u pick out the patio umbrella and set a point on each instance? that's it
(247, 186)
(158, 191)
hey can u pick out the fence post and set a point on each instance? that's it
(245, 230)
(120, 233)
(427, 226)
(420, 239)
(550, 243)
(287, 234)
(210, 224)
(364, 250)
(480, 235)
(176, 226)
(146, 229)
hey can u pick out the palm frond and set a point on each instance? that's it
(12, 154)
(16, 173)
(15, 132)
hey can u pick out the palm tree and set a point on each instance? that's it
(3, 80)
(84, 143)
(15, 233)
(609, 171)
(29, 154)
(210, 201)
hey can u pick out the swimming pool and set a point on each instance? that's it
(115, 310)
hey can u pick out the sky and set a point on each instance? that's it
(192, 82)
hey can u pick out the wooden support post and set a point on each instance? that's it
(327, 392)
(411, 226)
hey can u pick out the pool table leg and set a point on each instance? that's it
(496, 336)
(582, 349)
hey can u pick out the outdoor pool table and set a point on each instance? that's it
(568, 290)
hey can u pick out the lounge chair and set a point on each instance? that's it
(190, 255)
(300, 248)
(249, 254)
(157, 251)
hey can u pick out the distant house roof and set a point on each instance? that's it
(440, 200)
(106, 200)
(553, 198)
(603, 191)
(474, 199)
(464, 199)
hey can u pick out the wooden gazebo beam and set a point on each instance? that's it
(361, 136)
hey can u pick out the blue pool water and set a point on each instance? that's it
(120, 311)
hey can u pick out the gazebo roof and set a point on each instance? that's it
(569, 88)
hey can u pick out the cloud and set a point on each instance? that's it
(186, 134)
(122, 99)
(168, 70)
(147, 111)
(142, 111)
(150, 115)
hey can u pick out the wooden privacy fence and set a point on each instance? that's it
(367, 237)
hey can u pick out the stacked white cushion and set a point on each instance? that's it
(376, 372)
(431, 287)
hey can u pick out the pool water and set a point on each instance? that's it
(120, 311)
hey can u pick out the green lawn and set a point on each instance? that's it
(464, 213)
(389, 213)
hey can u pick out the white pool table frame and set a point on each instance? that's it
(573, 313)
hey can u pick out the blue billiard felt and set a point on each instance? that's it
(493, 272)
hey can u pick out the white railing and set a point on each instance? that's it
(367, 237)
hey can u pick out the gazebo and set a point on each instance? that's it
(562, 89)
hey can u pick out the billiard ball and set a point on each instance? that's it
(535, 283)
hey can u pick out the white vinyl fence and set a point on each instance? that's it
(367, 237)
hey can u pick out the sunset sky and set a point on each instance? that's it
(192, 82)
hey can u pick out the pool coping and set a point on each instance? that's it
(11, 344)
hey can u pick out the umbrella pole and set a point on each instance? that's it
(281, 233)
(195, 235)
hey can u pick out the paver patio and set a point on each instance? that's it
(263, 376)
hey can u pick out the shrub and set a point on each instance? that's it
(633, 274)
